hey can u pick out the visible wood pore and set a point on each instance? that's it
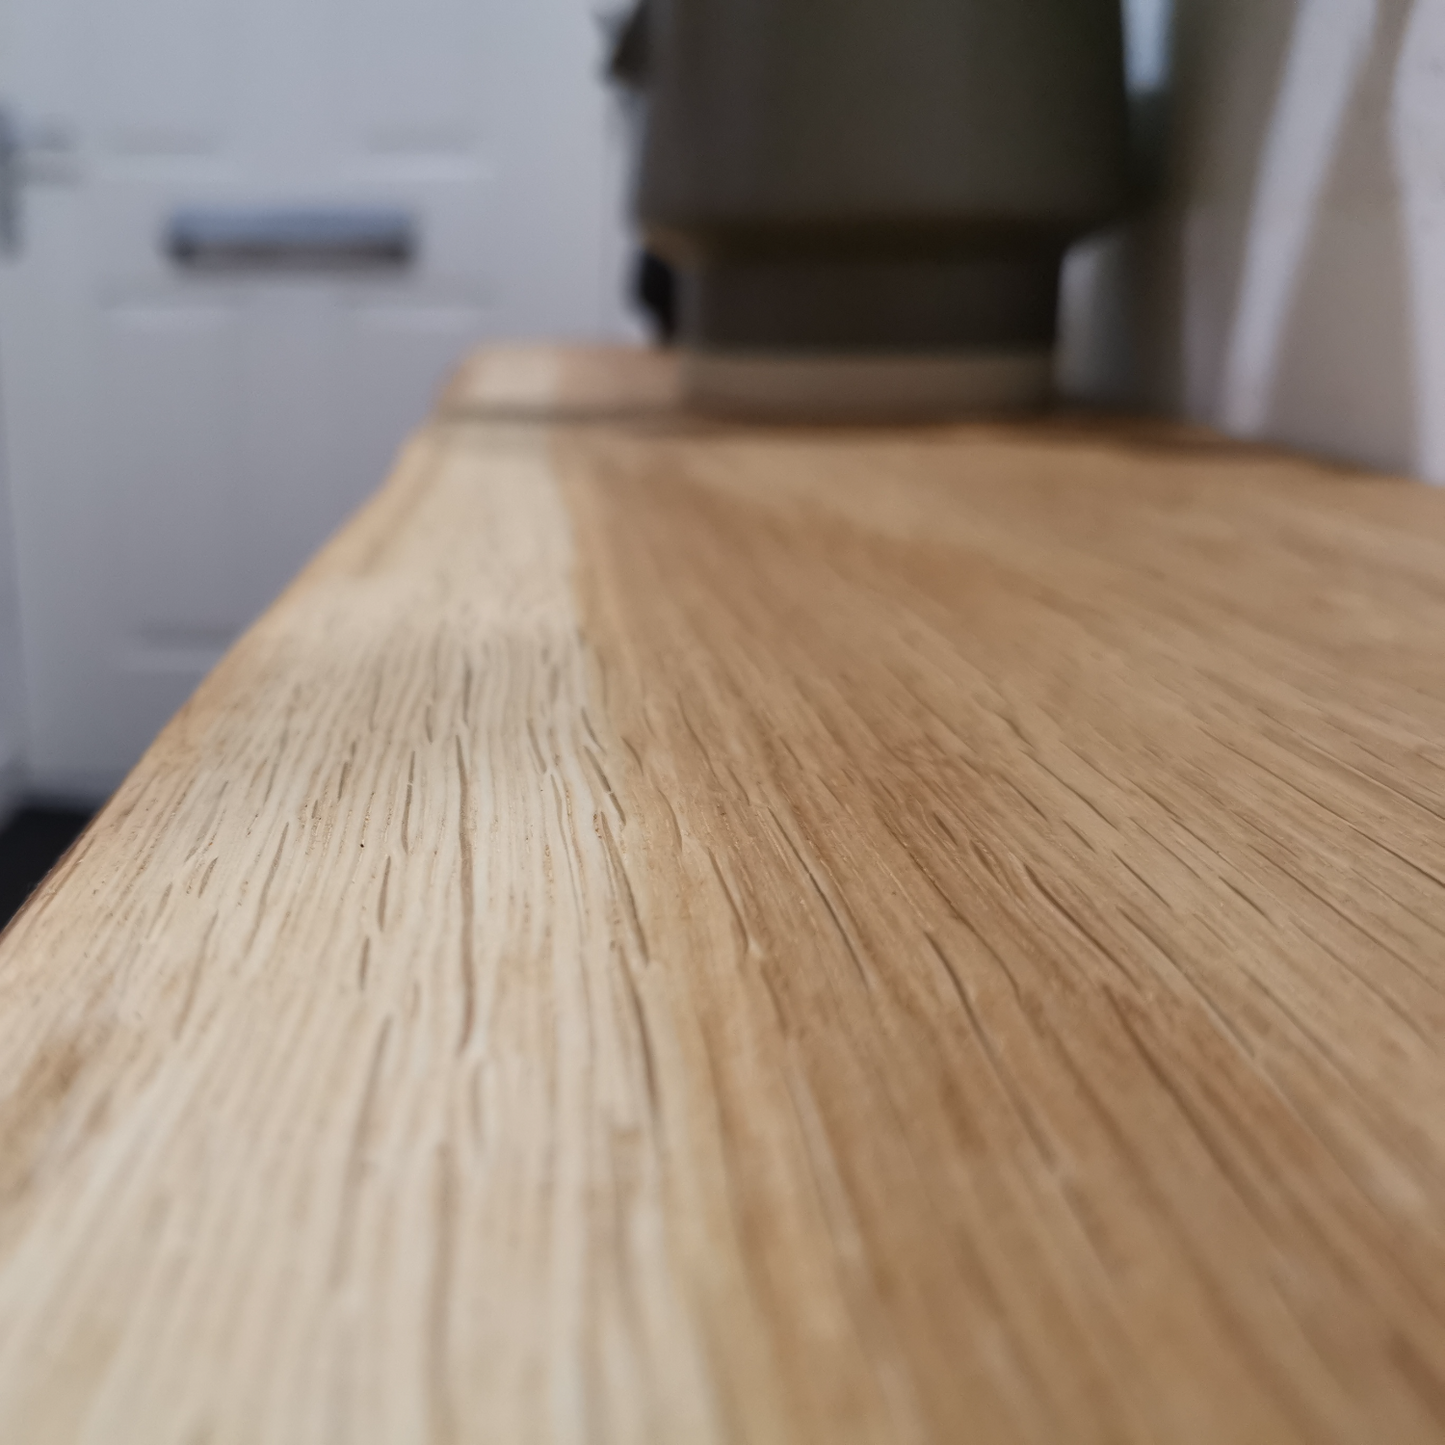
(684, 933)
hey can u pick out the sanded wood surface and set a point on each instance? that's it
(679, 933)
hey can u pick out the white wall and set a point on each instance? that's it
(1290, 284)
(12, 700)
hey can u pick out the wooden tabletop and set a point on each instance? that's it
(683, 933)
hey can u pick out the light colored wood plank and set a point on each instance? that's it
(550, 382)
(686, 933)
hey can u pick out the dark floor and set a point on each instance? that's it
(31, 843)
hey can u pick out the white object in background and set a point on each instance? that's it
(12, 700)
(1418, 125)
(1331, 43)
(1147, 25)
(180, 440)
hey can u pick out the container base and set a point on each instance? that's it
(865, 386)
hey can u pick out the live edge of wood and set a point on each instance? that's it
(686, 933)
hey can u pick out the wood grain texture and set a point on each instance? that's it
(555, 383)
(686, 933)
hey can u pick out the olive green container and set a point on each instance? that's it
(868, 201)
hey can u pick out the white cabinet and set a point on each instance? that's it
(180, 439)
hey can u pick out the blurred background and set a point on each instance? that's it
(179, 432)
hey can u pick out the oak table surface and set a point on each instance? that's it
(677, 932)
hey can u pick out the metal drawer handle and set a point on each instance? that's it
(291, 239)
